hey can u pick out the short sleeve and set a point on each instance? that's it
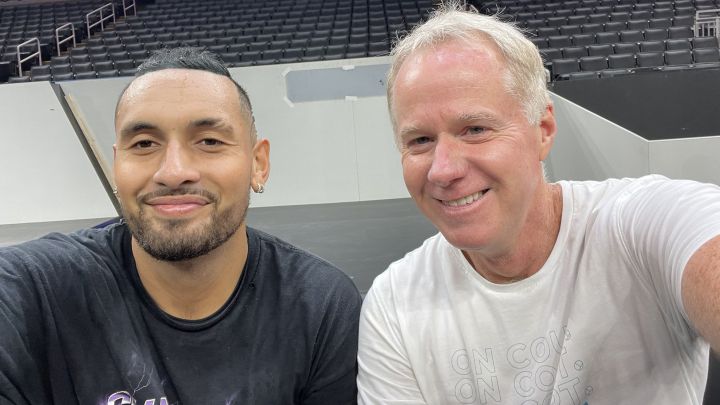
(662, 223)
(385, 375)
(334, 368)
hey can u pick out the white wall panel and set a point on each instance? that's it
(694, 158)
(589, 147)
(45, 174)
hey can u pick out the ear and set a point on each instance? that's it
(548, 128)
(261, 163)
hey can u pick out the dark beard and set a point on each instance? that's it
(168, 240)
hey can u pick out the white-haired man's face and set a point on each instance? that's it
(471, 160)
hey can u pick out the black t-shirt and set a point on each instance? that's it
(77, 327)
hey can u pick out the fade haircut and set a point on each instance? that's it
(195, 59)
(525, 77)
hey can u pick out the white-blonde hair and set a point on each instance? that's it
(526, 75)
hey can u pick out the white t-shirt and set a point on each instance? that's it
(601, 323)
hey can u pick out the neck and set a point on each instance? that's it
(196, 288)
(530, 248)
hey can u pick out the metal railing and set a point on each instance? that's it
(707, 23)
(131, 6)
(27, 58)
(57, 36)
(102, 19)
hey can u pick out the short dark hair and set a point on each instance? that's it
(195, 59)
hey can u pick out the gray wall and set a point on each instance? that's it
(590, 147)
(45, 175)
(337, 148)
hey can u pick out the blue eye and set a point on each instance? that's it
(475, 130)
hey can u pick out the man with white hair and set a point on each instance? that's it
(532, 292)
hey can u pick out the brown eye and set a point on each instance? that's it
(211, 142)
(143, 144)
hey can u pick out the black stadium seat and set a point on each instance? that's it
(621, 61)
(562, 67)
(593, 63)
(706, 57)
(678, 57)
(652, 46)
(649, 59)
(704, 42)
(600, 50)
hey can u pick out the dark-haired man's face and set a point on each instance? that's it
(184, 162)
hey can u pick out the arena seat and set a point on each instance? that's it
(677, 44)
(574, 52)
(652, 46)
(593, 63)
(649, 59)
(621, 61)
(600, 50)
(682, 57)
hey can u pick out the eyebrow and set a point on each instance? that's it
(462, 118)
(136, 127)
(409, 130)
(211, 123)
(142, 126)
(480, 116)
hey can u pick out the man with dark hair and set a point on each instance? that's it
(180, 302)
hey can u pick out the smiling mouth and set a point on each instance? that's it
(468, 199)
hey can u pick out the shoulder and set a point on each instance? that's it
(64, 252)
(418, 270)
(620, 189)
(599, 198)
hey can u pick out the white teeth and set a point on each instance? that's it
(464, 200)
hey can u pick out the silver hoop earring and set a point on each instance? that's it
(260, 188)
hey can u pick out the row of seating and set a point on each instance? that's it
(532, 5)
(100, 68)
(119, 51)
(242, 21)
(78, 71)
(610, 29)
(575, 52)
(249, 29)
(579, 20)
(275, 5)
(578, 16)
(300, 11)
(237, 44)
(676, 59)
(650, 34)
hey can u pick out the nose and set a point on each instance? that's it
(177, 167)
(447, 161)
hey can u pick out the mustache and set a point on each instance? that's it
(165, 192)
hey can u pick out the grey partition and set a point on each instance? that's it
(590, 147)
(333, 143)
